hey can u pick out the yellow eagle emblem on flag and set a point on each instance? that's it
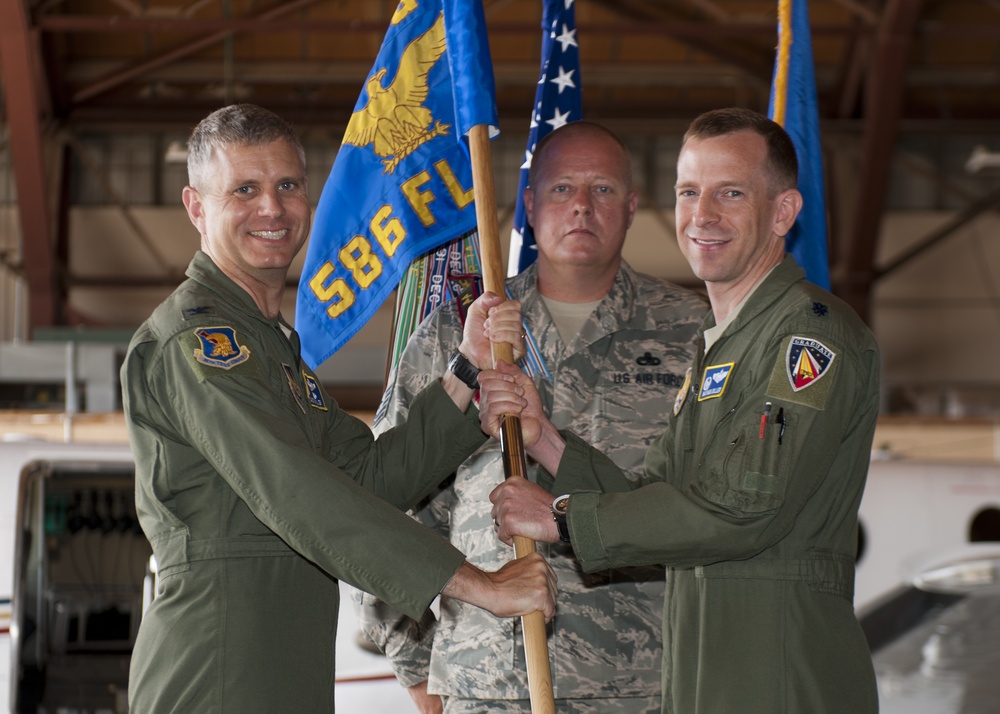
(395, 119)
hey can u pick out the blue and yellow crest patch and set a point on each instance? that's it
(219, 347)
(314, 392)
(682, 392)
(806, 361)
(713, 384)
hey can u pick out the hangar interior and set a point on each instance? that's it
(97, 98)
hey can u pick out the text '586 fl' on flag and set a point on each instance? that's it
(794, 105)
(557, 102)
(401, 184)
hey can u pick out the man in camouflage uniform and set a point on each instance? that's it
(611, 348)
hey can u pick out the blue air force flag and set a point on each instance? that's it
(401, 184)
(557, 102)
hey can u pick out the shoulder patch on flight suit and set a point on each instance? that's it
(293, 384)
(798, 374)
(219, 347)
(683, 392)
(314, 392)
(216, 350)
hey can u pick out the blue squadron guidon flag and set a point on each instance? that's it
(401, 184)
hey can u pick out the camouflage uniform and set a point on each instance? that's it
(613, 384)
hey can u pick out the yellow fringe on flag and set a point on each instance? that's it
(784, 52)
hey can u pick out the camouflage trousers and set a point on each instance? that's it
(624, 705)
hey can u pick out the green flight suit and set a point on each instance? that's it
(755, 519)
(257, 493)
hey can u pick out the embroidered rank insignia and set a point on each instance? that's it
(648, 360)
(293, 384)
(219, 348)
(806, 361)
(683, 393)
(192, 312)
(314, 392)
(713, 384)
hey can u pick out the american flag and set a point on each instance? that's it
(557, 102)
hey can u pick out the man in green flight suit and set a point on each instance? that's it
(255, 490)
(760, 472)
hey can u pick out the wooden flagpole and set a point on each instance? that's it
(536, 649)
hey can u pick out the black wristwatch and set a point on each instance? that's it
(559, 507)
(461, 367)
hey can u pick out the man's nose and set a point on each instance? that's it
(270, 204)
(705, 212)
(583, 203)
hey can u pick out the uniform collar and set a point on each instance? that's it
(203, 270)
(618, 307)
(776, 284)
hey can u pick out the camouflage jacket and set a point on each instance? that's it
(614, 385)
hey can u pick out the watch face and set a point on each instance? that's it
(561, 504)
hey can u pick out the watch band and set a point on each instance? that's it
(559, 507)
(461, 367)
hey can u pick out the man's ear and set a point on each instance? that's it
(633, 203)
(195, 208)
(787, 206)
(529, 205)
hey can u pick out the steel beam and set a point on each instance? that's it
(884, 99)
(262, 22)
(20, 69)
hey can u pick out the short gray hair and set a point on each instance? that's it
(240, 125)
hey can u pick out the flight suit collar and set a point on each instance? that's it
(203, 269)
(776, 284)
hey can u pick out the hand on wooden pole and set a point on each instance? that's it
(511, 445)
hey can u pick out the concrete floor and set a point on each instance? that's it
(365, 683)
